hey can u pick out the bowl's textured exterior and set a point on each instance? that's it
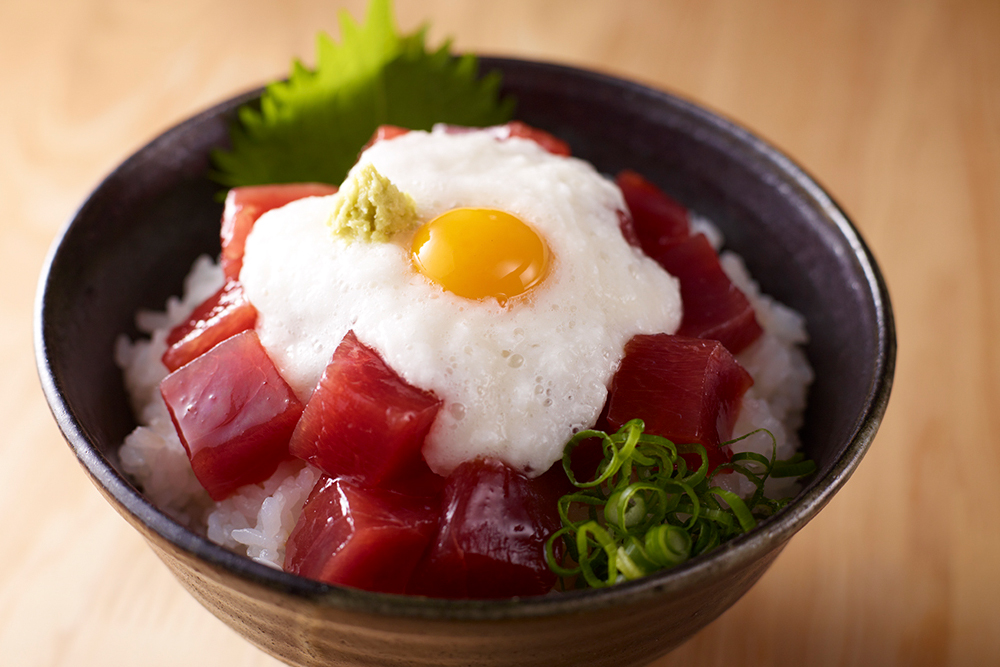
(133, 240)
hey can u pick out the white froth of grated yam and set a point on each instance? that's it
(517, 381)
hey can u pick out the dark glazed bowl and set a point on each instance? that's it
(133, 240)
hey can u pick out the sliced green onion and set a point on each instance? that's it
(590, 534)
(738, 507)
(797, 466)
(668, 545)
(645, 510)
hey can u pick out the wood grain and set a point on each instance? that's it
(893, 105)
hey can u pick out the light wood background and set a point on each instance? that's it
(893, 105)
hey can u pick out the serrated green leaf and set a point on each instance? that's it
(312, 126)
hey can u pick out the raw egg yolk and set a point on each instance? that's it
(480, 252)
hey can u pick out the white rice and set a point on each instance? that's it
(258, 518)
(781, 374)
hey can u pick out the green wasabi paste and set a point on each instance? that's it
(370, 208)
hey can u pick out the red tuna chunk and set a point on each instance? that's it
(365, 538)
(516, 128)
(384, 133)
(541, 137)
(491, 536)
(657, 218)
(224, 314)
(365, 422)
(243, 207)
(685, 389)
(714, 308)
(234, 414)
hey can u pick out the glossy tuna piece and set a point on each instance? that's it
(685, 389)
(365, 538)
(714, 308)
(541, 137)
(365, 422)
(224, 314)
(243, 207)
(657, 218)
(514, 128)
(384, 133)
(628, 228)
(234, 414)
(491, 536)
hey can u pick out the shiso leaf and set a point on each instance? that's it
(312, 126)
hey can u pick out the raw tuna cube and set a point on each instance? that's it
(491, 535)
(628, 228)
(714, 308)
(234, 414)
(365, 422)
(243, 207)
(540, 137)
(516, 128)
(685, 389)
(657, 218)
(224, 314)
(384, 133)
(365, 538)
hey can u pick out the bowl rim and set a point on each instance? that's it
(768, 535)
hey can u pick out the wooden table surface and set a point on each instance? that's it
(893, 105)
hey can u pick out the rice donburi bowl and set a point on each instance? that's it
(718, 168)
(382, 376)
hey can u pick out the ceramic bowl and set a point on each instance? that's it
(132, 241)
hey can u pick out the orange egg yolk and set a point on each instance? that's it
(479, 252)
